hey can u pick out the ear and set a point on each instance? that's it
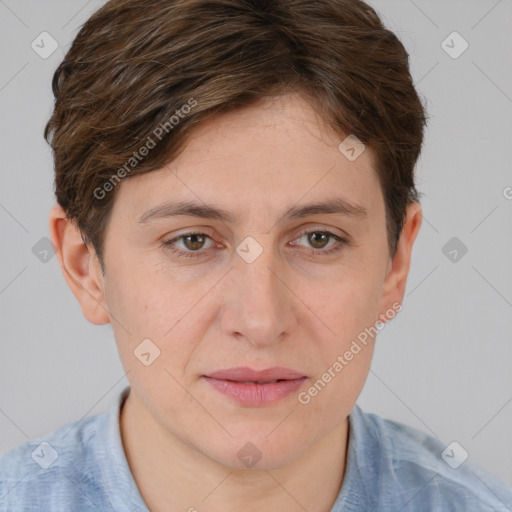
(80, 266)
(393, 289)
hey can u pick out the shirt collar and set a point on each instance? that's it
(117, 479)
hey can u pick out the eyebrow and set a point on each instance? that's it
(337, 205)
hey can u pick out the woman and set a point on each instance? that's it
(235, 195)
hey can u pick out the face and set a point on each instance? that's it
(256, 288)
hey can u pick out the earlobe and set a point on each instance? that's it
(396, 277)
(79, 265)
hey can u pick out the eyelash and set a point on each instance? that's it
(195, 254)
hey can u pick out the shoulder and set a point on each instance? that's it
(58, 471)
(417, 471)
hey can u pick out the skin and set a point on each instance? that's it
(289, 308)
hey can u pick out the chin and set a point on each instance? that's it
(255, 448)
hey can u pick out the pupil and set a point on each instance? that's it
(313, 240)
(194, 245)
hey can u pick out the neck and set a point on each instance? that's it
(172, 475)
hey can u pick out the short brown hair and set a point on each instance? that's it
(135, 63)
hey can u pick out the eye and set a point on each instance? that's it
(193, 243)
(319, 240)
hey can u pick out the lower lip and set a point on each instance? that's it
(256, 395)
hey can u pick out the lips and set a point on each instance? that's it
(244, 374)
(256, 388)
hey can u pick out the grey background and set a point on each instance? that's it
(443, 365)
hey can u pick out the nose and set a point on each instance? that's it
(259, 307)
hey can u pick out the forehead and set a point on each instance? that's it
(288, 123)
(257, 160)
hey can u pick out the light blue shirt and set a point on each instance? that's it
(82, 467)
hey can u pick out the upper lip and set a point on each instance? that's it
(247, 374)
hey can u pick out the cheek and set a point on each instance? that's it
(151, 303)
(348, 304)
(148, 300)
(343, 360)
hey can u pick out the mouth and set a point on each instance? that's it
(252, 388)
(257, 381)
